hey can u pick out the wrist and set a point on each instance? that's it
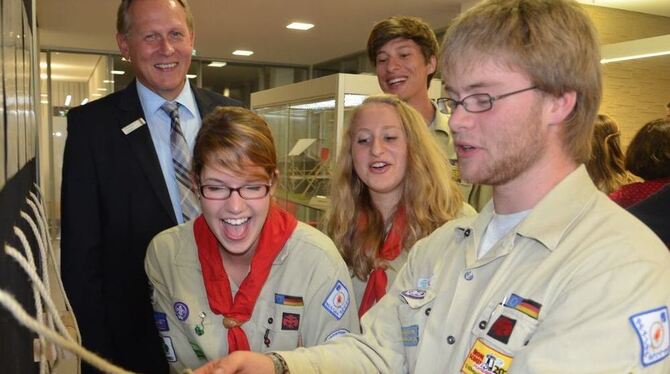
(278, 363)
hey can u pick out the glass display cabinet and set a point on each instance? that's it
(307, 119)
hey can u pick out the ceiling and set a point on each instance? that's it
(222, 26)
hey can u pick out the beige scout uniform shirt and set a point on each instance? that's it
(296, 306)
(476, 195)
(397, 263)
(596, 277)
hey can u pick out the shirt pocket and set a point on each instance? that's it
(506, 329)
(282, 327)
(413, 314)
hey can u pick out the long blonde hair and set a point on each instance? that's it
(430, 197)
(606, 166)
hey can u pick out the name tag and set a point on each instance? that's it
(136, 124)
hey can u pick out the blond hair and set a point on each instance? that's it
(124, 23)
(606, 166)
(552, 41)
(430, 199)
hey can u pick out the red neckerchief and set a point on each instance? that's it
(278, 227)
(377, 281)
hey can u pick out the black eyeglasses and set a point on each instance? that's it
(476, 103)
(221, 192)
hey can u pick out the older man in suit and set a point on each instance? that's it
(125, 179)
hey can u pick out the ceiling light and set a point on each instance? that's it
(217, 64)
(117, 72)
(102, 89)
(634, 49)
(242, 52)
(107, 81)
(633, 57)
(84, 101)
(68, 100)
(299, 26)
(191, 76)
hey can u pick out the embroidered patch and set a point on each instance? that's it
(288, 300)
(653, 331)
(161, 321)
(528, 307)
(483, 359)
(198, 351)
(414, 294)
(336, 333)
(337, 301)
(410, 335)
(181, 311)
(502, 328)
(170, 354)
(290, 321)
(423, 283)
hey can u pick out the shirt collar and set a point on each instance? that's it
(551, 217)
(152, 101)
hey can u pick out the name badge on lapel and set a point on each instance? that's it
(136, 124)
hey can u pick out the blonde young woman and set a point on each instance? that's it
(607, 163)
(390, 188)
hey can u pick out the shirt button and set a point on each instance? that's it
(468, 275)
(451, 340)
(428, 311)
(270, 320)
(466, 232)
(482, 324)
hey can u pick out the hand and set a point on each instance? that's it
(240, 362)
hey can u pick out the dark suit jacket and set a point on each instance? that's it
(114, 200)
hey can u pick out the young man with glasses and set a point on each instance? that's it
(245, 275)
(553, 277)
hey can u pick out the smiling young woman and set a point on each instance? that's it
(245, 275)
(391, 174)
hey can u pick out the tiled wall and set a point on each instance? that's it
(635, 91)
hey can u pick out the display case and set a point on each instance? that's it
(306, 120)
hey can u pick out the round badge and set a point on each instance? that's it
(339, 299)
(181, 311)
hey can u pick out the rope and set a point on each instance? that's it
(12, 252)
(29, 262)
(36, 206)
(8, 301)
(42, 288)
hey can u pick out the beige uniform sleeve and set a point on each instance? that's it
(178, 351)
(315, 268)
(379, 349)
(325, 322)
(583, 336)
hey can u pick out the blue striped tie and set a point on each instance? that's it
(181, 158)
